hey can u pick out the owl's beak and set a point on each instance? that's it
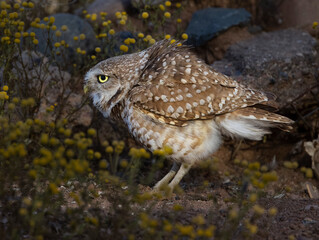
(86, 89)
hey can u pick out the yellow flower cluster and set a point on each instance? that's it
(139, 153)
(3, 94)
(129, 41)
(149, 39)
(148, 223)
(252, 228)
(186, 230)
(122, 17)
(124, 48)
(166, 150)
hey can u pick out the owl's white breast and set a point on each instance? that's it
(192, 143)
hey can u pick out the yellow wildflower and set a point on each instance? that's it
(145, 15)
(124, 163)
(102, 35)
(167, 14)
(97, 155)
(168, 3)
(127, 41)
(112, 31)
(124, 48)
(152, 41)
(309, 173)
(103, 164)
(53, 188)
(187, 230)
(82, 36)
(132, 41)
(184, 36)
(91, 132)
(273, 211)
(140, 35)
(51, 20)
(97, 49)
(93, 17)
(103, 14)
(64, 27)
(109, 149)
(258, 209)
(253, 197)
(58, 33)
(118, 14)
(161, 6)
(23, 211)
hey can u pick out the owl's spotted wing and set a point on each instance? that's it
(180, 87)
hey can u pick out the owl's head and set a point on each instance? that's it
(109, 81)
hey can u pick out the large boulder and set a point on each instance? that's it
(76, 26)
(209, 22)
(52, 86)
(282, 62)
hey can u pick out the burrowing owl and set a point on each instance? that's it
(169, 97)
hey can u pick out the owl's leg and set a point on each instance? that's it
(165, 180)
(179, 175)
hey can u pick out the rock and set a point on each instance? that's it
(76, 26)
(273, 62)
(208, 23)
(52, 86)
(40, 74)
(216, 48)
(108, 6)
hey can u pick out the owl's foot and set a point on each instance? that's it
(166, 179)
(164, 185)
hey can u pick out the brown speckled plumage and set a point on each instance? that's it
(168, 97)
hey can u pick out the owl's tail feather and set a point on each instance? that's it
(252, 123)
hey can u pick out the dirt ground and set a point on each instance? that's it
(298, 214)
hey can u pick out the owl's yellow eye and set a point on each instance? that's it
(102, 78)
